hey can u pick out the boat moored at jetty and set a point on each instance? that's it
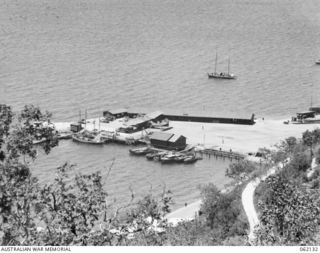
(158, 155)
(318, 62)
(168, 158)
(190, 159)
(179, 158)
(81, 139)
(140, 151)
(152, 155)
(307, 117)
(87, 137)
(64, 135)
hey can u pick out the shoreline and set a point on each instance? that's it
(243, 139)
(238, 138)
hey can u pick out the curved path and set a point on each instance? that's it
(185, 213)
(188, 212)
(313, 166)
(248, 201)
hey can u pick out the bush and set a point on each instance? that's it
(223, 212)
(289, 214)
(301, 162)
(315, 184)
(241, 168)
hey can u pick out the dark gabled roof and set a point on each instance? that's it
(117, 111)
(161, 136)
(154, 115)
(175, 137)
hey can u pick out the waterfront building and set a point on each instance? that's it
(168, 141)
(115, 113)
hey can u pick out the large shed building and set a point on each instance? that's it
(168, 141)
(139, 123)
(116, 113)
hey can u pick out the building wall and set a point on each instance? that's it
(159, 143)
(116, 115)
(179, 144)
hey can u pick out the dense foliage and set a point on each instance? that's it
(223, 212)
(240, 170)
(18, 188)
(289, 202)
(289, 216)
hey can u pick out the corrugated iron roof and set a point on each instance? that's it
(136, 121)
(161, 136)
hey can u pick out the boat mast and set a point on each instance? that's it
(228, 65)
(215, 65)
(311, 94)
(85, 119)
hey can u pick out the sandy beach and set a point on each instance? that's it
(238, 138)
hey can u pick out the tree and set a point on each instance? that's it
(72, 210)
(289, 144)
(311, 138)
(307, 138)
(240, 169)
(223, 212)
(289, 215)
(18, 188)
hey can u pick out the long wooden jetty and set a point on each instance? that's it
(221, 153)
(202, 119)
(185, 117)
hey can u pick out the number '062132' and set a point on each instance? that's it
(310, 249)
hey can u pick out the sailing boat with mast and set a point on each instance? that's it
(221, 75)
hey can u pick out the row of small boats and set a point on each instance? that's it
(164, 156)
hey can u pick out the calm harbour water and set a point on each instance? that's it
(101, 54)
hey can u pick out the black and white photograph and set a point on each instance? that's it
(159, 123)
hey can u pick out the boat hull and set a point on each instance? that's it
(167, 160)
(218, 76)
(306, 122)
(140, 151)
(77, 139)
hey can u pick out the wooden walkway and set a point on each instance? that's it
(223, 154)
